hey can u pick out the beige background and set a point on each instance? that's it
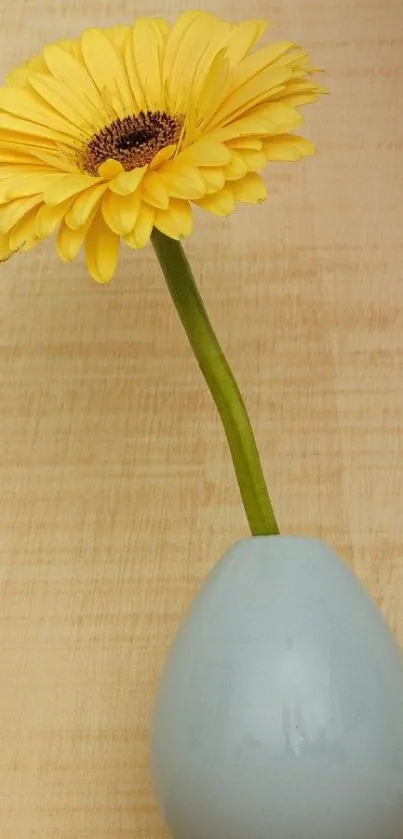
(117, 493)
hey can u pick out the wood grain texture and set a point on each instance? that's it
(117, 492)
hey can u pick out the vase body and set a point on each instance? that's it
(280, 710)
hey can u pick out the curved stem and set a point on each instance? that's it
(221, 382)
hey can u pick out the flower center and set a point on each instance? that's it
(133, 141)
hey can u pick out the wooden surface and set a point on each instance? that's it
(117, 492)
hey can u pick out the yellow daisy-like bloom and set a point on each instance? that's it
(106, 137)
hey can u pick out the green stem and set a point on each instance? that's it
(221, 382)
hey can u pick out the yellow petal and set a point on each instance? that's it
(23, 232)
(287, 147)
(18, 152)
(205, 153)
(154, 191)
(294, 57)
(187, 38)
(65, 101)
(5, 250)
(27, 106)
(120, 211)
(83, 207)
(297, 99)
(182, 181)
(282, 114)
(65, 186)
(214, 179)
(257, 90)
(237, 166)
(296, 85)
(127, 182)
(197, 52)
(222, 203)
(9, 153)
(254, 64)
(31, 184)
(164, 27)
(242, 38)
(12, 212)
(118, 35)
(214, 89)
(175, 222)
(28, 245)
(254, 160)
(251, 125)
(162, 156)
(141, 233)
(267, 119)
(48, 218)
(249, 190)
(285, 127)
(5, 184)
(134, 78)
(240, 143)
(59, 162)
(36, 64)
(17, 78)
(24, 127)
(148, 46)
(13, 170)
(217, 43)
(71, 47)
(69, 242)
(223, 136)
(34, 141)
(101, 250)
(248, 107)
(110, 169)
(106, 68)
(72, 72)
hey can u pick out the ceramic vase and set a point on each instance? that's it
(280, 710)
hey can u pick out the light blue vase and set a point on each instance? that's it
(280, 710)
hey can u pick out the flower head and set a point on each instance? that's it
(106, 137)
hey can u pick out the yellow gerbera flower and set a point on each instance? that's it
(108, 136)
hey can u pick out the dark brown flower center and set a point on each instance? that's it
(133, 141)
